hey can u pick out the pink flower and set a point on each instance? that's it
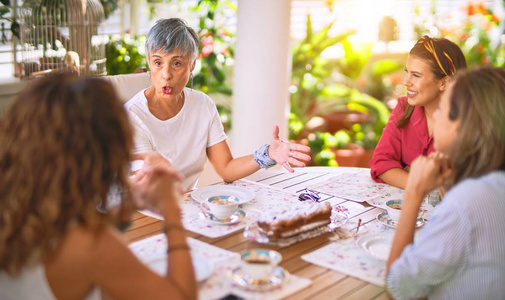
(207, 50)
(207, 40)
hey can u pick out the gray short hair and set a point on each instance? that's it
(171, 34)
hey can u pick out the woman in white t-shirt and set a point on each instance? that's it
(183, 124)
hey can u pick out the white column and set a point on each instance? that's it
(261, 73)
(134, 19)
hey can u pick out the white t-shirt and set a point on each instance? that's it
(183, 138)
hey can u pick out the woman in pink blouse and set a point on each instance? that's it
(431, 64)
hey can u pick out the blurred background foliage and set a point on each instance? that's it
(125, 54)
(356, 85)
(213, 70)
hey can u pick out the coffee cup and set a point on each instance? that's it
(223, 206)
(259, 264)
(394, 208)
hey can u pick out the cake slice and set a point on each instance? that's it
(295, 221)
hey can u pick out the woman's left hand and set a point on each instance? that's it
(287, 154)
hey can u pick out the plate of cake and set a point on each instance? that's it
(292, 225)
(244, 195)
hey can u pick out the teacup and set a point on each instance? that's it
(223, 206)
(259, 264)
(394, 208)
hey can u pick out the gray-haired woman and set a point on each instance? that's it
(183, 124)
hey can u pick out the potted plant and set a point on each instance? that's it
(320, 144)
(311, 75)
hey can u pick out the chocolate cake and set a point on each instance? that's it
(295, 221)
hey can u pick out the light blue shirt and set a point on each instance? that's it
(460, 253)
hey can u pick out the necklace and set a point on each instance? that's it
(158, 111)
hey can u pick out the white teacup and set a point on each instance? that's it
(222, 207)
(394, 208)
(259, 264)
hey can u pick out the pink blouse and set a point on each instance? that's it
(397, 148)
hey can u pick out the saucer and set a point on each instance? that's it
(377, 246)
(236, 217)
(279, 276)
(384, 218)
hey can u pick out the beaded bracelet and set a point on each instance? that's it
(167, 227)
(262, 159)
(178, 247)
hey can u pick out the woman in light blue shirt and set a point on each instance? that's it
(460, 254)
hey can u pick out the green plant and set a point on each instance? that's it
(320, 144)
(379, 81)
(311, 76)
(216, 56)
(125, 54)
(320, 86)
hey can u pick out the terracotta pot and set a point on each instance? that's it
(365, 158)
(350, 156)
(344, 120)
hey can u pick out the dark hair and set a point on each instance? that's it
(445, 59)
(478, 101)
(65, 141)
(171, 34)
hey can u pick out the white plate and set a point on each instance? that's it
(205, 192)
(384, 218)
(203, 267)
(236, 217)
(377, 246)
(279, 276)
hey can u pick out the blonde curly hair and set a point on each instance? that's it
(64, 142)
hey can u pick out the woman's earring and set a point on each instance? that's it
(191, 76)
(149, 80)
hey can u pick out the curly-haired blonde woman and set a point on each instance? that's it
(460, 253)
(64, 142)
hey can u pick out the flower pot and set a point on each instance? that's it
(365, 158)
(351, 156)
(344, 120)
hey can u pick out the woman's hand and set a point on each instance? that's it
(159, 189)
(152, 159)
(427, 173)
(287, 154)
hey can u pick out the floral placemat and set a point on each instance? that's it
(266, 199)
(357, 186)
(217, 285)
(347, 257)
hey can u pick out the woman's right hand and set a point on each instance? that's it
(159, 189)
(152, 159)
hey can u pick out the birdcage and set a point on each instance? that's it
(61, 35)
